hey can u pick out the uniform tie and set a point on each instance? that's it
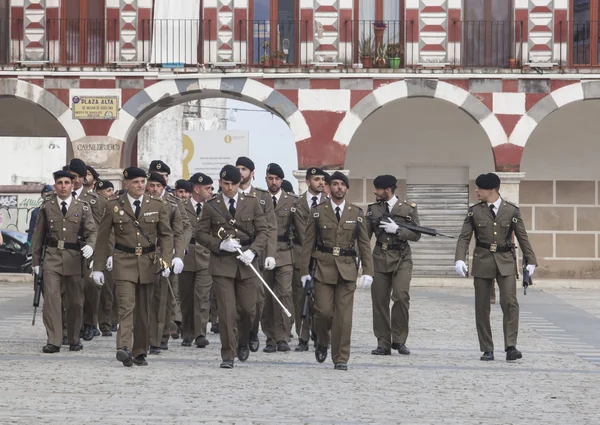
(274, 202)
(314, 202)
(198, 209)
(492, 206)
(64, 208)
(137, 208)
(337, 213)
(74, 193)
(232, 207)
(387, 207)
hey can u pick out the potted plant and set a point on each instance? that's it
(277, 58)
(366, 50)
(265, 58)
(394, 53)
(381, 56)
(379, 28)
(513, 63)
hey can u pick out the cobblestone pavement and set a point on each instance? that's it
(441, 382)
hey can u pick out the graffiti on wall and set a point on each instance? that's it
(16, 210)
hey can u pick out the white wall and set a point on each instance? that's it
(31, 159)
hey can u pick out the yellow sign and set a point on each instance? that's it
(228, 139)
(95, 107)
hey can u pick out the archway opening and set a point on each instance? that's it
(436, 151)
(559, 195)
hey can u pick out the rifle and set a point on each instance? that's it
(526, 277)
(419, 229)
(39, 285)
(308, 288)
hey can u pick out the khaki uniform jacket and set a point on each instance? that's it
(182, 232)
(387, 261)
(153, 220)
(285, 213)
(249, 215)
(198, 256)
(51, 224)
(97, 204)
(490, 230)
(266, 202)
(340, 235)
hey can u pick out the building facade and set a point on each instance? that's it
(433, 91)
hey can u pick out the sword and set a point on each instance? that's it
(164, 266)
(287, 312)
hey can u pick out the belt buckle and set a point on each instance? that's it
(384, 246)
(60, 245)
(138, 250)
(493, 247)
(336, 251)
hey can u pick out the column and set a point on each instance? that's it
(509, 190)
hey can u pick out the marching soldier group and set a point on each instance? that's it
(162, 263)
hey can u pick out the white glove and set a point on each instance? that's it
(109, 264)
(91, 265)
(87, 251)
(530, 268)
(247, 257)
(389, 227)
(461, 268)
(270, 263)
(230, 245)
(98, 278)
(366, 281)
(36, 269)
(305, 279)
(177, 265)
(166, 272)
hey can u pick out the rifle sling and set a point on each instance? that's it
(136, 223)
(231, 221)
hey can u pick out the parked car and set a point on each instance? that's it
(13, 252)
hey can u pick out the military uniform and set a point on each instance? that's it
(108, 303)
(135, 262)
(275, 323)
(64, 265)
(333, 244)
(195, 283)
(494, 258)
(234, 283)
(392, 260)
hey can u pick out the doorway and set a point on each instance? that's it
(83, 30)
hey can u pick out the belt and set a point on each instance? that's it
(391, 247)
(138, 250)
(53, 243)
(337, 251)
(494, 247)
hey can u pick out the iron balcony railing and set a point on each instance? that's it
(11, 36)
(86, 42)
(488, 44)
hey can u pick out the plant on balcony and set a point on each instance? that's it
(379, 27)
(265, 58)
(366, 50)
(277, 57)
(381, 56)
(395, 51)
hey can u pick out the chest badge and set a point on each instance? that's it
(116, 209)
(121, 212)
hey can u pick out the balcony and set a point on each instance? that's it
(297, 45)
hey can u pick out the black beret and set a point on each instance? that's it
(245, 162)
(183, 184)
(201, 178)
(314, 171)
(488, 181)
(65, 168)
(47, 188)
(104, 184)
(158, 165)
(155, 177)
(327, 177)
(340, 176)
(94, 173)
(60, 174)
(287, 186)
(133, 173)
(78, 166)
(275, 170)
(230, 174)
(384, 181)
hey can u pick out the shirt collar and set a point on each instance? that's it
(392, 202)
(78, 192)
(342, 206)
(227, 198)
(132, 200)
(68, 201)
(245, 192)
(496, 204)
(277, 195)
(309, 197)
(194, 202)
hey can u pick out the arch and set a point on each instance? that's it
(164, 94)
(421, 88)
(568, 94)
(24, 90)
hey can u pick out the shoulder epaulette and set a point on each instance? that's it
(250, 194)
(478, 203)
(211, 199)
(510, 203)
(258, 189)
(49, 197)
(412, 204)
(157, 198)
(91, 193)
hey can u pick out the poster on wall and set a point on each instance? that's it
(208, 151)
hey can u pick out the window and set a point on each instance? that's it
(275, 29)
(371, 11)
(4, 31)
(582, 30)
(82, 30)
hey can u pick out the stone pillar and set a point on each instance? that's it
(301, 177)
(509, 186)
(161, 138)
(115, 175)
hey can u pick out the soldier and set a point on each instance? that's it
(139, 222)
(315, 181)
(333, 233)
(183, 189)
(246, 167)
(287, 187)
(162, 300)
(392, 259)
(275, 323)
(231, 213)
(493, 221)
(91, 291)
(91, 178)
(327, 188)
(107, 312)
(195, 281)
(68, 232)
